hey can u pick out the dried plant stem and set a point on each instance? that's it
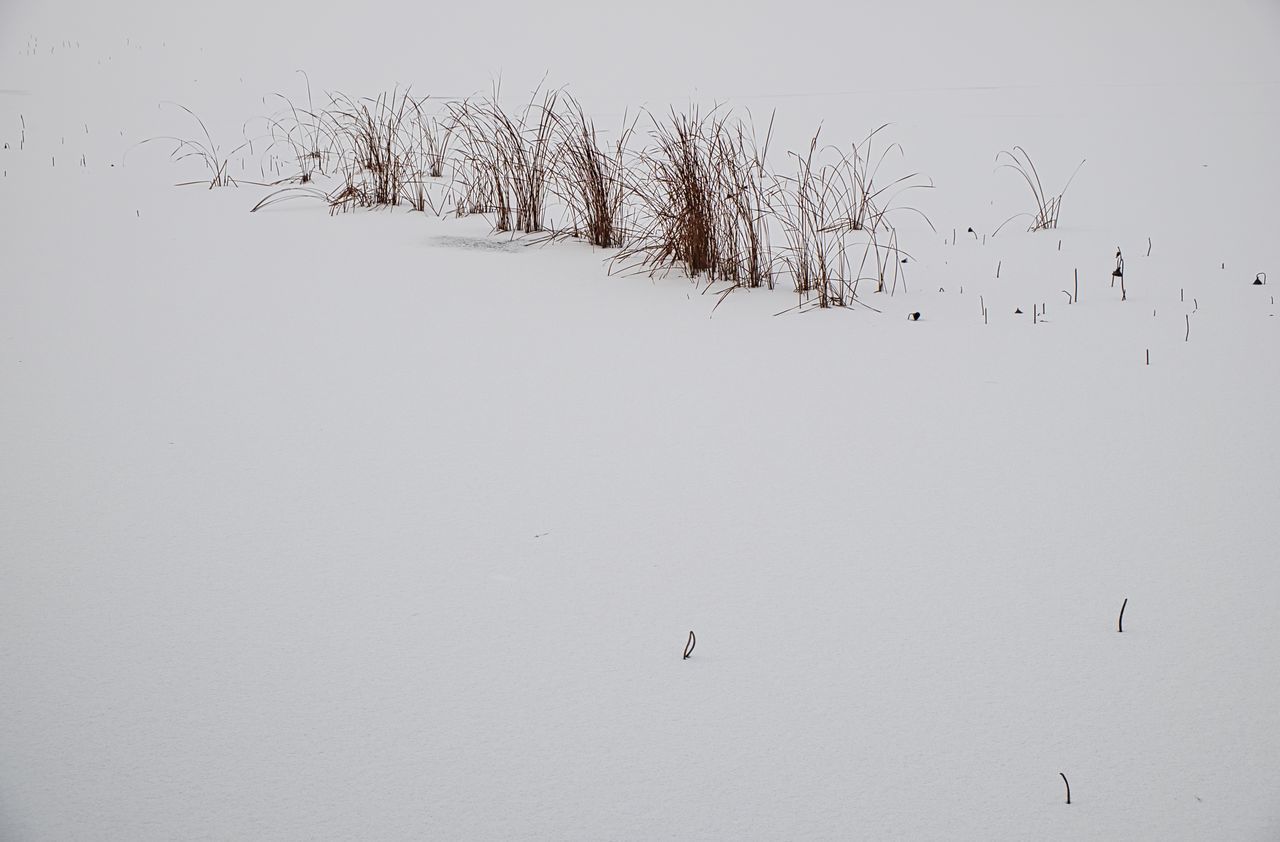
(1047, 207)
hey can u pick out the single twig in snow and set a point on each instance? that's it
(688, 646)
(1120, 623)
(1068, 783)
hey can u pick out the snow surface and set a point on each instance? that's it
(342, 528)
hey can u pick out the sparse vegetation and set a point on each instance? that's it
(1048, 206)
(823, 206)
(304, 132)
(206, 151)
(818, 209)
(383, 150)
(698, 196)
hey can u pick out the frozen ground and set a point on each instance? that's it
(345, 528)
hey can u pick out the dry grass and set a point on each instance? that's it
(874, 201)
(702, 199)
(830, 208)
(591, 179)
(504, 161)
(375, 145)
(206, 151)
(425, 154)
(305, 133)
(817, 211)
(699, 198)
(1048, 206)
(383, 151)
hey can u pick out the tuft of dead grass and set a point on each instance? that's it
(504, 160)
(1047, 207)
(702, 196)
(590, 177)
(215, 161)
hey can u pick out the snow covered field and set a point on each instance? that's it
(378, 526)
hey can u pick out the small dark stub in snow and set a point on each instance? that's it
(915, 317)
(1018, 312)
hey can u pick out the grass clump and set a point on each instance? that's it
(702, 198)
(1047, 207)
(376, 148)
(591, 178)
(504, 161)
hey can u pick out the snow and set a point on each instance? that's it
(347, 527)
